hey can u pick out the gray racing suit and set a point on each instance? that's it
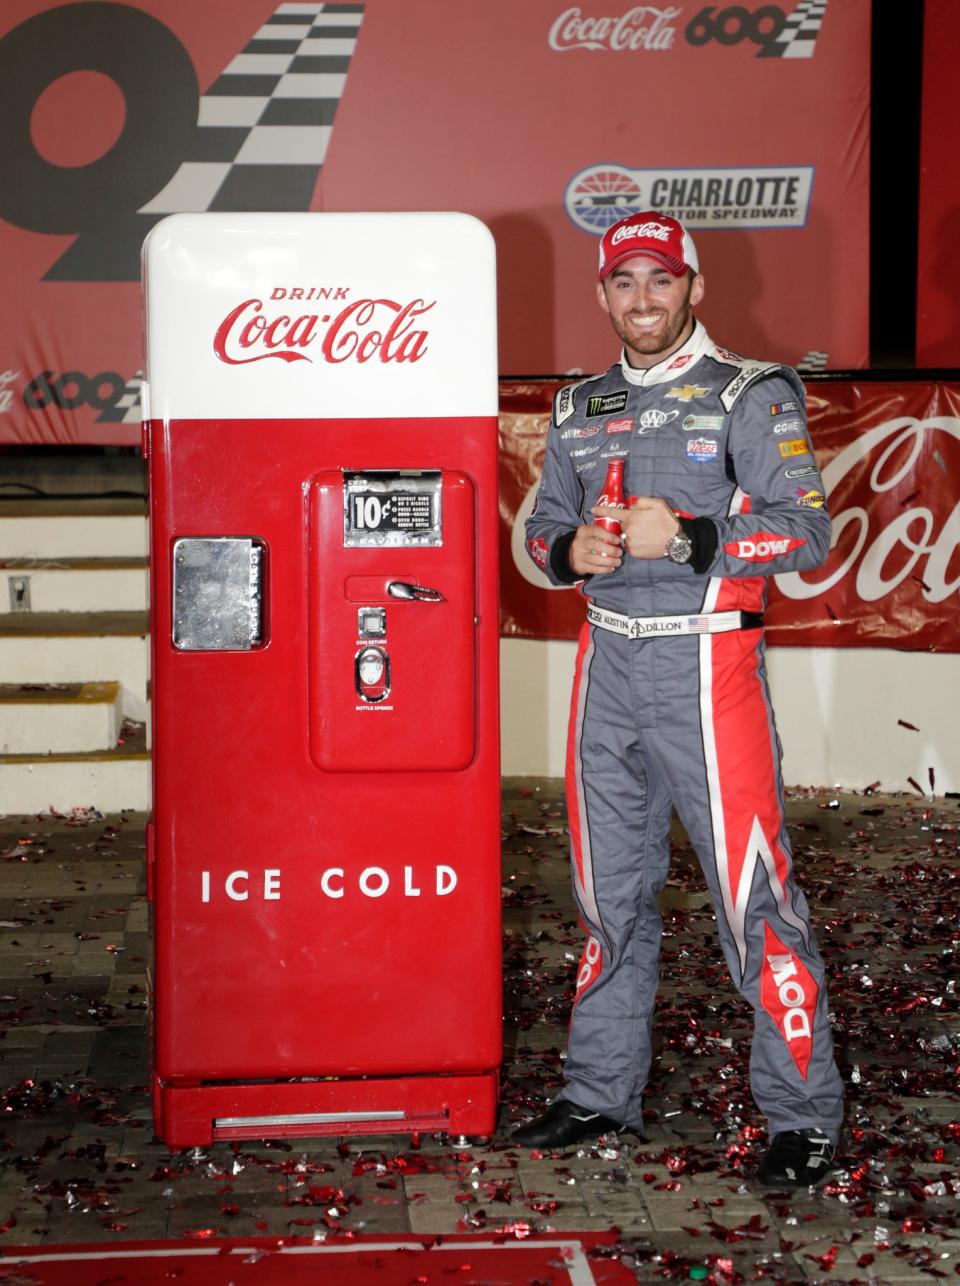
(666, 713)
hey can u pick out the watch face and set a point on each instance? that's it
(679, 548)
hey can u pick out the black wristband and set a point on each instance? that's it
(702, 534)
(560, 558)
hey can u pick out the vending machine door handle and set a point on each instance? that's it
(404, 589)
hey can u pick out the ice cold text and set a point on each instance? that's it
(335, 882)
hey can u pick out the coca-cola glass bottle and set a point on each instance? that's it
(612, 496)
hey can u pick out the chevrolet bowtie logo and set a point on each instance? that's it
(688, 392)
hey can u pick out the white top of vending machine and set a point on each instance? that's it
(346, 316)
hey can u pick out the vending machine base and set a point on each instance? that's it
(198, 1115)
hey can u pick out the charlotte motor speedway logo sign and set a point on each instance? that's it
(763, 196)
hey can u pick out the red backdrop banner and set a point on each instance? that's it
(889, 454)
(938, 242)
(547, 119)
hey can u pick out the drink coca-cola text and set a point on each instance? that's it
(365, 329)
(309, 292)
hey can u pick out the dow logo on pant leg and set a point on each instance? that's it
(789, 995)
(591, 962)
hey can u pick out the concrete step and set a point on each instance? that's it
(108, 780)
(40, 718)
(79, 647)
(50, 529)
(73, 584)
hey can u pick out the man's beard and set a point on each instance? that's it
(662, 338)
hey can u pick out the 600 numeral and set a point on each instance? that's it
(73, 389)
(736, 23)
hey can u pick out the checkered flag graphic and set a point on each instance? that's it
(813, 362)
(126, 410)
(265, 123)
(798, 38)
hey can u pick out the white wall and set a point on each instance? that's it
(837, 712)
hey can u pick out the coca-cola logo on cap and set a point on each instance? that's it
(362, 330)
(655, 231)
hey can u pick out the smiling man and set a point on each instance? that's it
(670, 703)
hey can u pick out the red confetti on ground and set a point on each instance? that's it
(826, 1260)
(520, 1230)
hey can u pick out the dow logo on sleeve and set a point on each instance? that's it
(256, 139)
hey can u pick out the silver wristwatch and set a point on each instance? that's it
(679, 548)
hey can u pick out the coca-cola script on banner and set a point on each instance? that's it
(889, 456)
(115, 114)
(642, 27)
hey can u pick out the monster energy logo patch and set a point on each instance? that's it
(606, 403)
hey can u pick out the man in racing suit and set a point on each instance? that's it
(670, 705)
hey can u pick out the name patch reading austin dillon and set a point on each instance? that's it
(606, 403)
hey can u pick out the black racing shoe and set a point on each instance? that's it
(796, 1159)
(562, 1124)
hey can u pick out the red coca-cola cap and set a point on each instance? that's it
(647, 233)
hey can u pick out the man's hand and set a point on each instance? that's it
(594, 551)
(647, 525)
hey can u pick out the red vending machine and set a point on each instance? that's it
(320, 422)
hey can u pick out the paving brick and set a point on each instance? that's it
(436, 1217)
